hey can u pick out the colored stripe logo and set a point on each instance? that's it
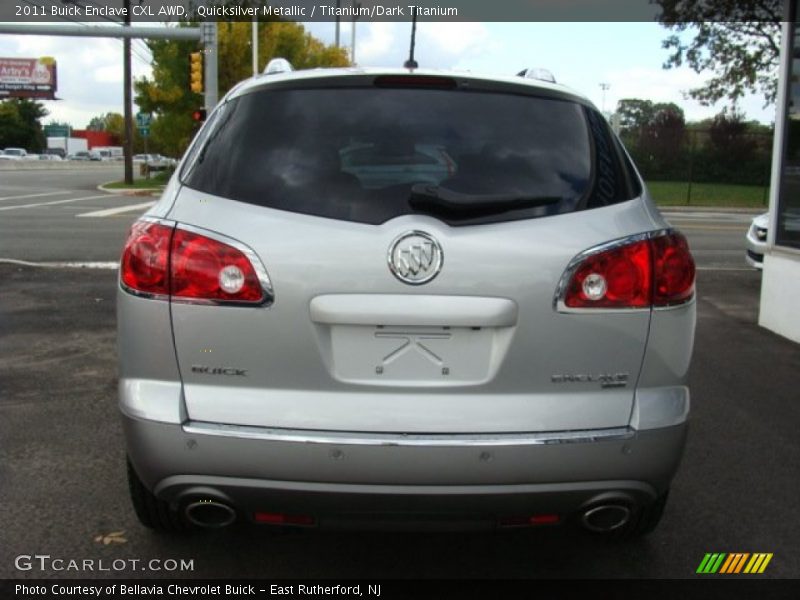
(734, 563)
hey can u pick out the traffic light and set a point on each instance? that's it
(196, 72)
(199, 115)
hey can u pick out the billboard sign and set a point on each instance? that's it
(28, 78)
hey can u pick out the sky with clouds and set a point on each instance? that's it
(626, 56)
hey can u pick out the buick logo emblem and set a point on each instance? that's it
(415, 257)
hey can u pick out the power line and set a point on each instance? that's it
(144, 59)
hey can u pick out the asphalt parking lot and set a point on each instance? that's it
(62, 479)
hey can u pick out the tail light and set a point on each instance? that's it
(163, 261)
(639, 272)
(144, 267)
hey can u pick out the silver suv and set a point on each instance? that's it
(400, 298)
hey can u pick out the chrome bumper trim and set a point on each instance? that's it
(306, 436)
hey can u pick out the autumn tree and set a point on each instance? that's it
(736, 40)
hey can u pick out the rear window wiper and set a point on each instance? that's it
(433, 198)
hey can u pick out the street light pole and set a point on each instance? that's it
(210, 52)
(605, 87)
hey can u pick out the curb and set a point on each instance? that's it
(129, 192)
(745, 210)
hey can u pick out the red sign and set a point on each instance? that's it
(28, 78)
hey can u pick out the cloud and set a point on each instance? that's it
(668, 85)
(454, 39)
(376, 43)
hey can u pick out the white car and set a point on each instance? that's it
(757, 240)
(155, 162)
(14, 154)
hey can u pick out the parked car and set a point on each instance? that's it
(109, 153)
(81, 155)
(504, 346)
(155, 162)
(49, 157)
(14, 154)
(756, 240)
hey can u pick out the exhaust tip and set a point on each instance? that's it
(606, 517)
(210, 514)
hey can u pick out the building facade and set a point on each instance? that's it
(780, 285)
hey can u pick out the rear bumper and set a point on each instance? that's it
(352, 481)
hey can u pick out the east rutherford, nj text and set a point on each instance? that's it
(322, 590)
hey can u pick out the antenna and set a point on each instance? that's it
(411, 63)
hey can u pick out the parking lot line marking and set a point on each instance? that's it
(33, 195)
(62, 264)
(35, 204)
(107, 212)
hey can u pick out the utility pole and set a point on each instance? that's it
(126, 81)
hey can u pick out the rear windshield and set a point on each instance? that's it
(371, 154)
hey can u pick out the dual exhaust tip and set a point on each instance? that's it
(605, 518)
(210, 514)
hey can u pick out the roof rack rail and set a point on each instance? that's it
(536, 73)
(278, 65)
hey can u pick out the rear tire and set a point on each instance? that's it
(152, 512)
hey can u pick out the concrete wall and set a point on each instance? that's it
(780, 294)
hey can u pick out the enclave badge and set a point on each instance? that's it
(415, 257)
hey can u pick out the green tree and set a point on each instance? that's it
(737, 40)
(167, 94)
(634, 115)
(655, 134)
(21, 124)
